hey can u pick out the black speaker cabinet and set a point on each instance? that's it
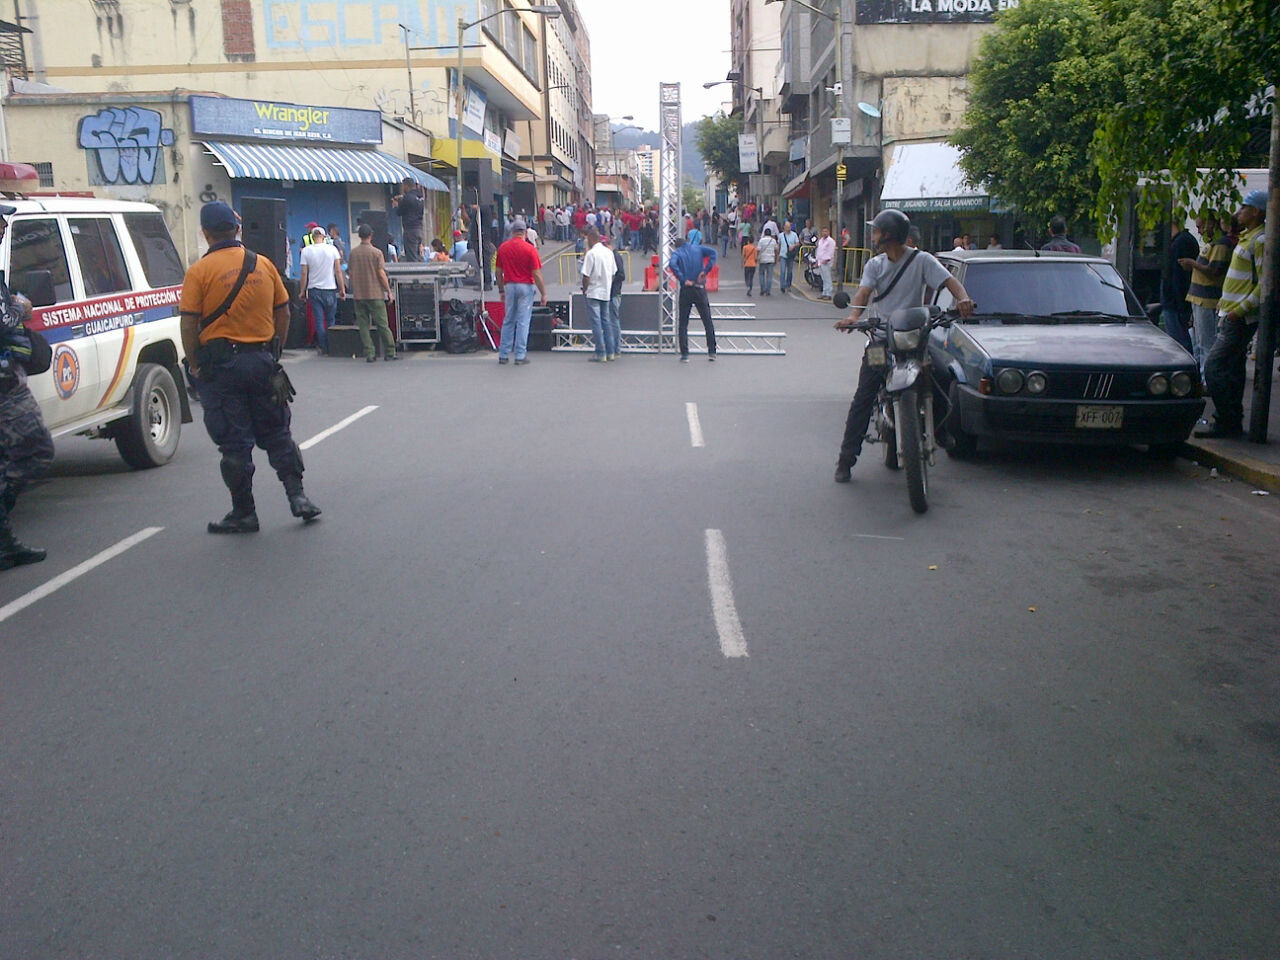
(263, 229)
(378, 220)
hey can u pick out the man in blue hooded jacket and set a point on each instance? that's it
(691, 262)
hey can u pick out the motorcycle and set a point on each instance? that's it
(902, 419)
(811, 274)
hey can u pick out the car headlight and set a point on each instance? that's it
(1009, 380)
(906, 339)
(1181, 384)
(1158, 384)
(1037, 382)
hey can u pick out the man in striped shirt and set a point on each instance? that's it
(1238, 309)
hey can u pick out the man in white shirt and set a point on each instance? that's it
(598, 268)
(323, 281)
(788, 252)
(825, 253)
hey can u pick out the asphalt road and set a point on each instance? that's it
(483, 708)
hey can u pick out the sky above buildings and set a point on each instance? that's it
(637, 45)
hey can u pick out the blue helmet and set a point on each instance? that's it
(1257, 199)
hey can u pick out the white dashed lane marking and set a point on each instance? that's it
(323, 434)
(695, 425)
(60, 581)
(732, 641)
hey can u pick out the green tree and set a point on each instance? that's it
(1042, 80)
(1194, 75)
(691, 196)
(717, 139)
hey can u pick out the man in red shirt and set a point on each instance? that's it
(518, 272)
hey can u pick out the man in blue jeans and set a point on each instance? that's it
(518, 271)
(323, 281)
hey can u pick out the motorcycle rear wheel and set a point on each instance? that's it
(913, 460)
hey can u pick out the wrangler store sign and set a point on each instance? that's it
(931, 11)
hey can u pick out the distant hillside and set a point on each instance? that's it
(690, 159)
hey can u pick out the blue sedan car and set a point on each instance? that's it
(1059, 351)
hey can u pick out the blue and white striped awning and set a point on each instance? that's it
(261, 161)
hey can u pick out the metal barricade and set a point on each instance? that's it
(569, 266)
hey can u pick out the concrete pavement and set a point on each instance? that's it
(482, 707)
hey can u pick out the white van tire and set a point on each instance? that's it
(149, 437)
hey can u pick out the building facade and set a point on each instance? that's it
(397, 58)
(875, 87)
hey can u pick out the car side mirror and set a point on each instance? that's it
(38, 287)
(841, 301)
(1152, 310)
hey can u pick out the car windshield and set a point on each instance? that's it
(1067, 292)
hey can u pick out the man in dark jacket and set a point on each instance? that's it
(1175, 283)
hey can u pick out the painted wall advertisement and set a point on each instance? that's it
(931, 11)
(272, 120)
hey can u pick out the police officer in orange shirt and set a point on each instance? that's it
(235, 316)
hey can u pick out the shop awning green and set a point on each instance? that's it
(262, 161)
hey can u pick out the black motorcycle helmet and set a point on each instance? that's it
(892, 224)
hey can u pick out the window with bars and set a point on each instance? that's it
(46, 174)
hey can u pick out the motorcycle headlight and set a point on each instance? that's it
(1181, 384)
(1009, 380)
(1158, 384)
(1037, 382)
(906, 339)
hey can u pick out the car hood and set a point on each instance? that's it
(1078, 345)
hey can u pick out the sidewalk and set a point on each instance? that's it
(1255, 463)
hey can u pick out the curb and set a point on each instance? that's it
(1260, 473)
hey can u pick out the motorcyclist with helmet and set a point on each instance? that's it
(896, 277)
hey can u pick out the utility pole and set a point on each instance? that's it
(1264, 352)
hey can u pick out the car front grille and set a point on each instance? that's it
(1097, 385)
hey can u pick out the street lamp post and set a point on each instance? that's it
(759, 92)
(548, 10)
(613, 150)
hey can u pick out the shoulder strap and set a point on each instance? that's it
(249, 265)
(896, 277)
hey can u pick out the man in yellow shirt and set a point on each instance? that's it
(1238, 315)
(235, 314)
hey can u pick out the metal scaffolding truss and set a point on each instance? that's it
(733, 311)
(669, 219)
(763, 343)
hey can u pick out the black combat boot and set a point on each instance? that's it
(299, 504)
(243, 517)
(13, 552)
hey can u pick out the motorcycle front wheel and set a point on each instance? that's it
(911, 414)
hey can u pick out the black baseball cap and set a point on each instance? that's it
(7, 210)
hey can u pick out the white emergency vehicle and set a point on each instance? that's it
(104, 279)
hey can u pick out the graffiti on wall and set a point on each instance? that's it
(125, 145)
(325, 24)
